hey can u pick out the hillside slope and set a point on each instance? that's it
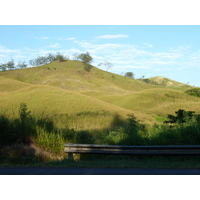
(8, 85)
(70, 75)
(82, 100)
(66, 108)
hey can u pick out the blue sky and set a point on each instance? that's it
(146, 50)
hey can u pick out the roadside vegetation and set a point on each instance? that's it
(183, 128)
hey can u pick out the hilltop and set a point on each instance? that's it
(70, 75)
(166, 82)
(79, 99)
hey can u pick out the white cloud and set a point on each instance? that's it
(131, 56)
(41, 38)
(55, 45)
(44, 38)
(3, 49)
(168, 55)
(112, 36)
(71, 38)
(137, 67)
(148, 45)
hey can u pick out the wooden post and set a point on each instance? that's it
(70, 156)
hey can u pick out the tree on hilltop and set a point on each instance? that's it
(3, 67)
(10, 64)
(130, 75)
(22, 65)
(60, 57)
(87, 59)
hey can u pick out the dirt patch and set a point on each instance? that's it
(28, 150)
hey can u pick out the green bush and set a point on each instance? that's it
(193, 92)
(20, 129)
(60, 57)
(115, 137)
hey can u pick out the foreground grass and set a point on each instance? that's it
(107, 161)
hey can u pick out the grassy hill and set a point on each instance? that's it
(70, 75)
(162, 81)
(83, 100)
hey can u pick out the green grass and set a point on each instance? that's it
(50, 142)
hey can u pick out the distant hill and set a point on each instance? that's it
(82, 100)
(162, 81)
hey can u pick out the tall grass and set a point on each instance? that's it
(26, 129)
(50, 141)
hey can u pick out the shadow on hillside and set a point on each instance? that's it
(120, 132)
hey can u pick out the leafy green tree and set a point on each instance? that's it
(10, 64)
(50, 57)
(129, 74)
(60, 57)
(87, 59)
(3, 67)
(22, 65)
(32, 63)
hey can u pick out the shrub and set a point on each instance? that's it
(115, 137)
(60, 57)
(182, 116)
(129, 74)
(193, 92)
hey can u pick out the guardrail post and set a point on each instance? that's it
(70, 156)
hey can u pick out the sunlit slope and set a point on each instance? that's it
(67, 108)
(70, 75)
(8, 85)
(87, 100)
(155, 102)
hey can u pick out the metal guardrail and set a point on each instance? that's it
(131, 150)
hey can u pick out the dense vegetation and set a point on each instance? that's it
(42, 130)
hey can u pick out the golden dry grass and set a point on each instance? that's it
(87, 100)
